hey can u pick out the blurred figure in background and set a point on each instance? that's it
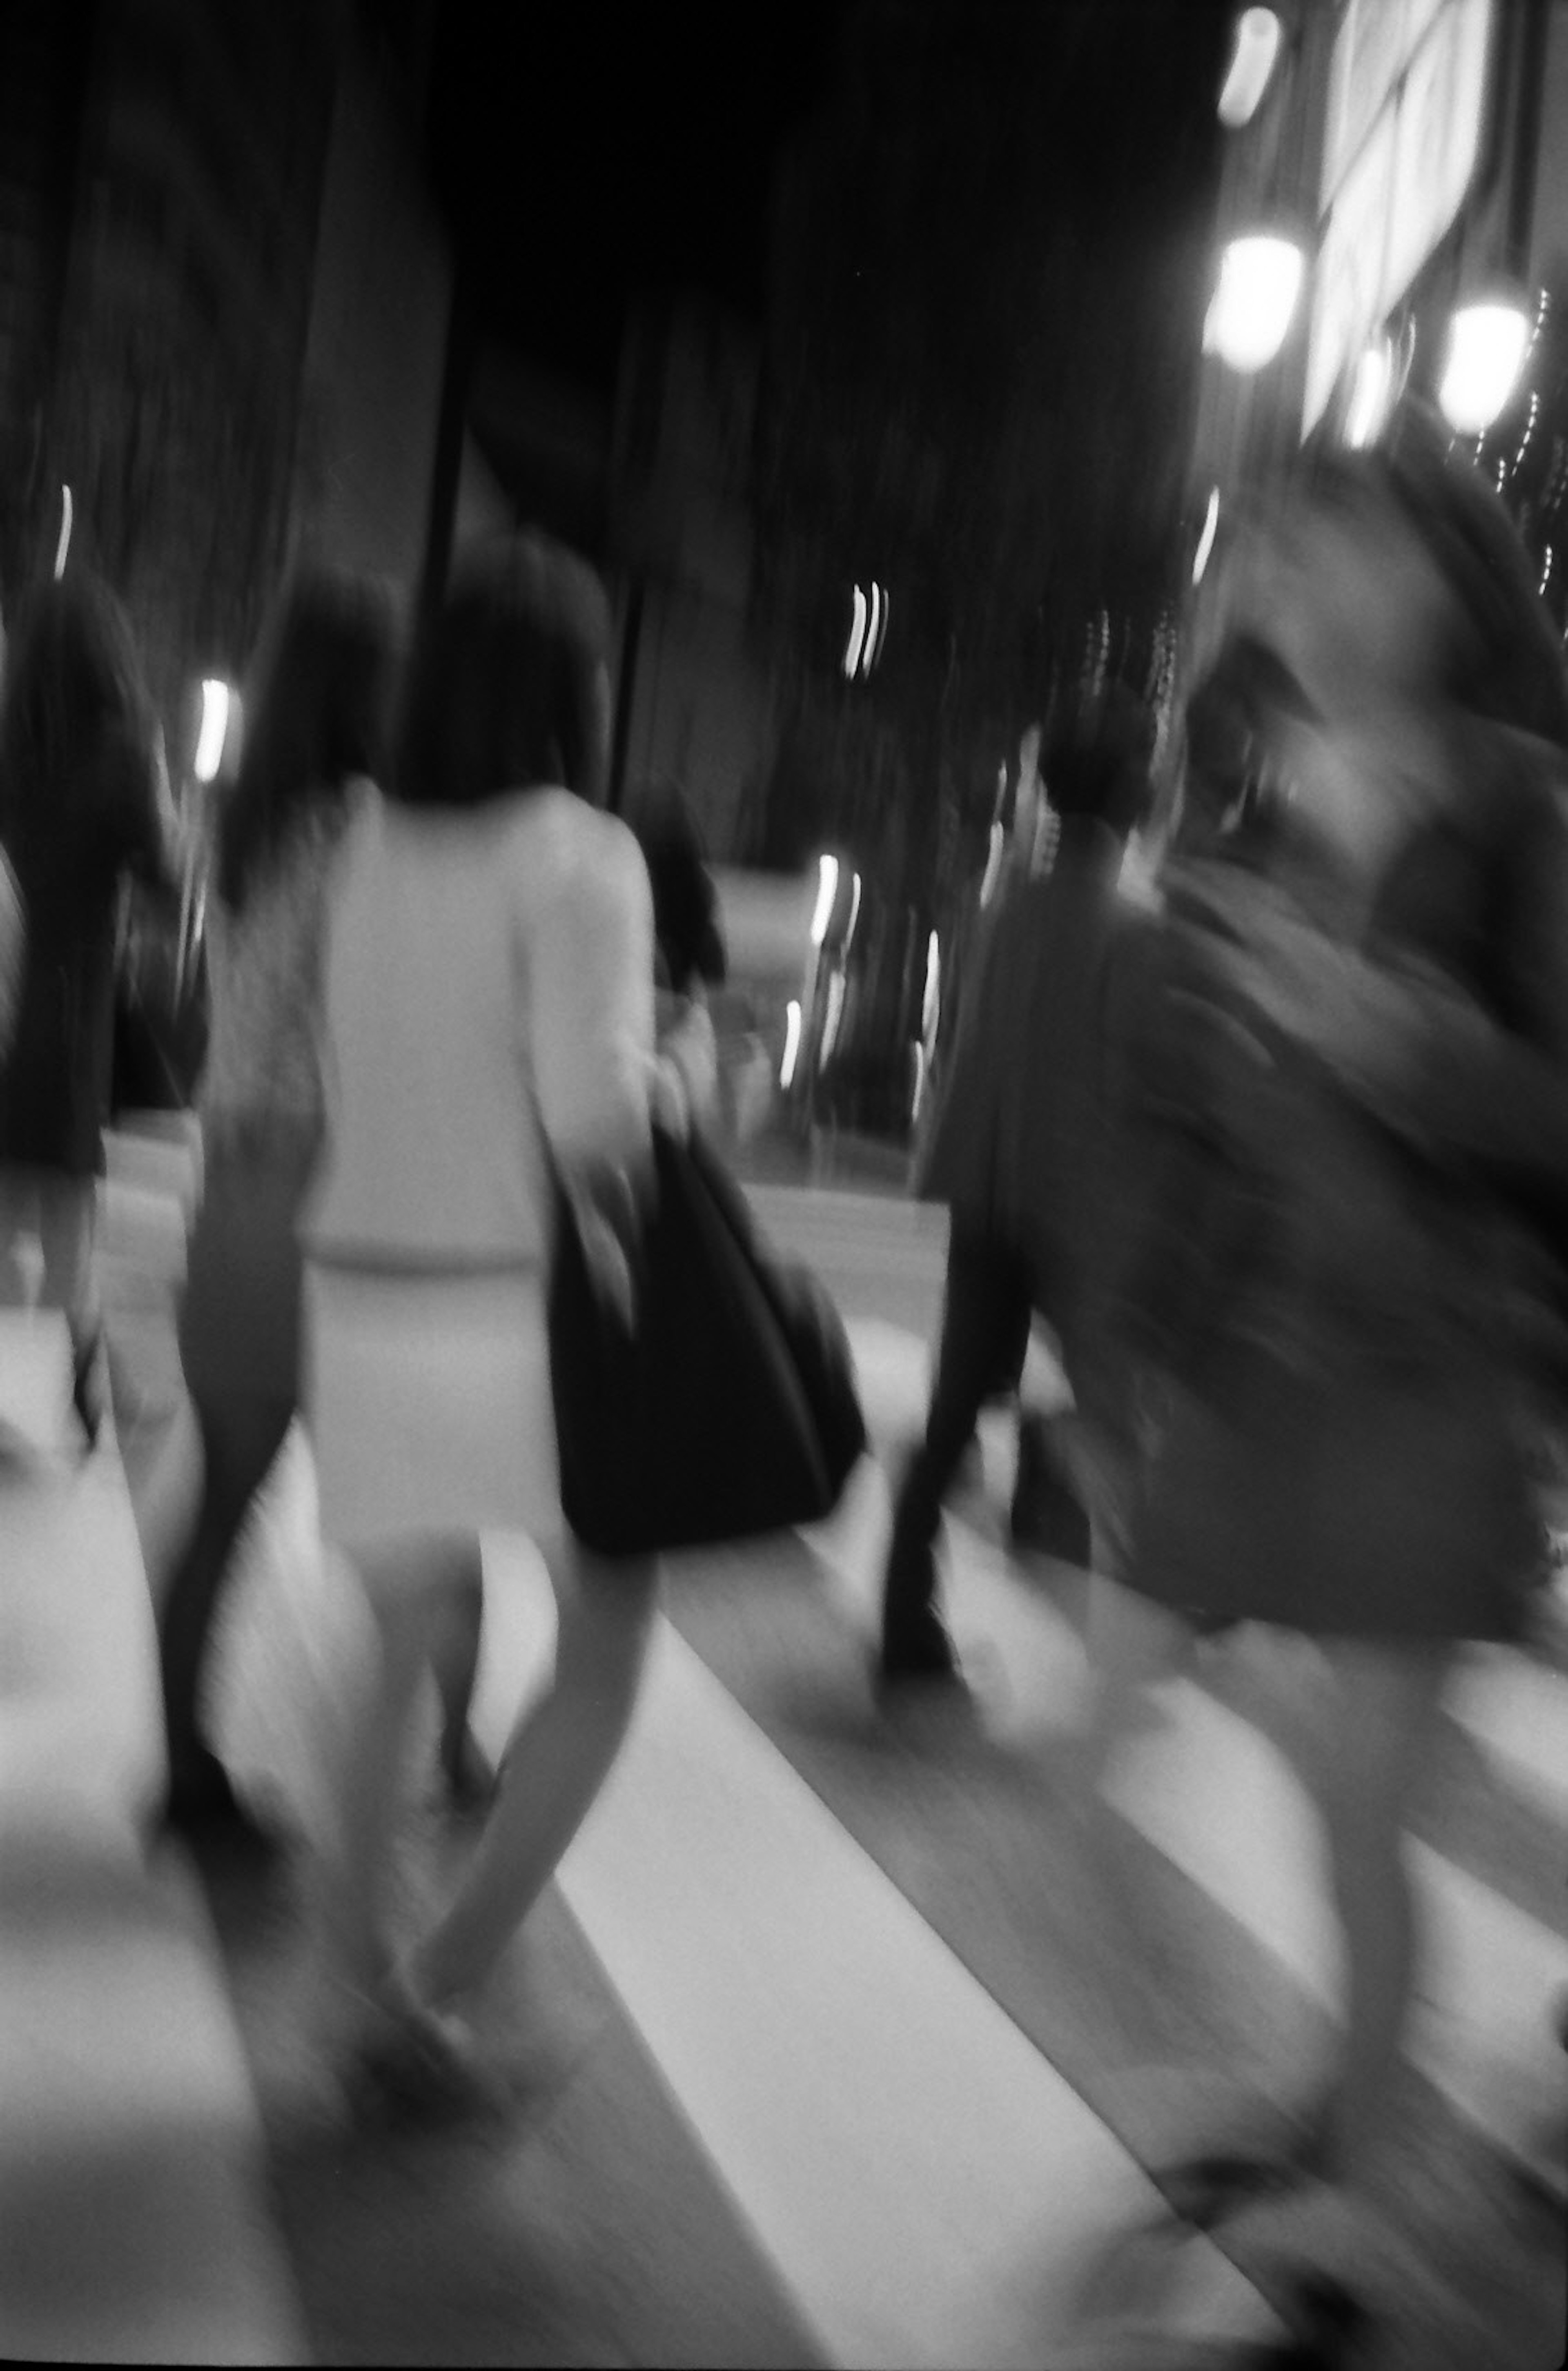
(489, 1019)
(85, 808)
(1361, 1105)
(316, 730)
(689, 946)
(1020, 1150)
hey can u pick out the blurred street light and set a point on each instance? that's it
(214, 728)
(1251, 312)
(1486, 346)
(1253, 53)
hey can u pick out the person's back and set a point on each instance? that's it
(474, 959)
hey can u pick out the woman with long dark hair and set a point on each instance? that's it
(85, 808)
(489, 1020)
(315, 734)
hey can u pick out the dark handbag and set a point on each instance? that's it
(727, 1406)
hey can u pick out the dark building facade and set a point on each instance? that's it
(192, 363)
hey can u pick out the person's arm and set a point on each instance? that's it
(592, 990)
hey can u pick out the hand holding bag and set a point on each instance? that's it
(726, 1405)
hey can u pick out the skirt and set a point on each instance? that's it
(428, 1403)
(1356, 1510)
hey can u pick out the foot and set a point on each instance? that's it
(203, 1807)
(415, 2065)
(89, 1388)
(467, 1776)
(917, 1651)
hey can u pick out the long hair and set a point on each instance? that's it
(78, 730)
(507, 683)
(321, 694)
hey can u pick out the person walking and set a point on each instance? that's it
(1021, 1151)
(488, 1038)
(1364, 1086)
(317, 728)
(85, 809)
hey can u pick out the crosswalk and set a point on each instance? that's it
(925, 2180)
(926, 2183)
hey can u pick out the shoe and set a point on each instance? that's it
(468, 1781)
(89, 1387)
(203, 1807)
(417, 2067)
(917, 1651)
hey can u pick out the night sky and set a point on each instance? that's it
(582, 151)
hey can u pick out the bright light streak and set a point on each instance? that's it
(1370, 394)
(826, 896)
(930, 1002)
(831, 1019)
(869, 656)
(1486, 346)
(853, 912)
(792, 1042)
(857, 632)
(994, 861)
(63, 545)
(1251, 63)
(1260, 281)
(215, 726)
(1206, 541)
(881, 631)
(916, 1099)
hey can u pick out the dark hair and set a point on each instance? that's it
(78, 730)
(1098, 759)
(321, 694)
(685, 927)
(503, 690)
(1503, 661)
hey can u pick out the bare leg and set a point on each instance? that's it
(1386, 1701)
(557, 1761)
(412, 1587)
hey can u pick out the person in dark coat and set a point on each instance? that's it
(85, 808)
(1363, 1197)
(1021, 1150)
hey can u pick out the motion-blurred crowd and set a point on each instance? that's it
(1278, 1156)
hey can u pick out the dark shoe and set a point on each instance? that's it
(917, 1650)
(1047, 1515)
(89, 1387)
(203, 1807)
(469, 1781)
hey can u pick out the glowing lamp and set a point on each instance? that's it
(1251, 308)
(1486, 346)
(214, 728)
(826, 897)
(1252, 56)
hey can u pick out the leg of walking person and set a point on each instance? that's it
(1385, 1702)
(985, 1334)
(241, 1435)
(416, 1589)
(559, 1756)
(67, 1215)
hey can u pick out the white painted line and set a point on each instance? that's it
(929, 2187)
(1224, 1806)
(1516, 1710)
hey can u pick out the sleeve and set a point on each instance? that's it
(591, 1003)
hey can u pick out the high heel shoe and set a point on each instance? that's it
(89, 1386)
